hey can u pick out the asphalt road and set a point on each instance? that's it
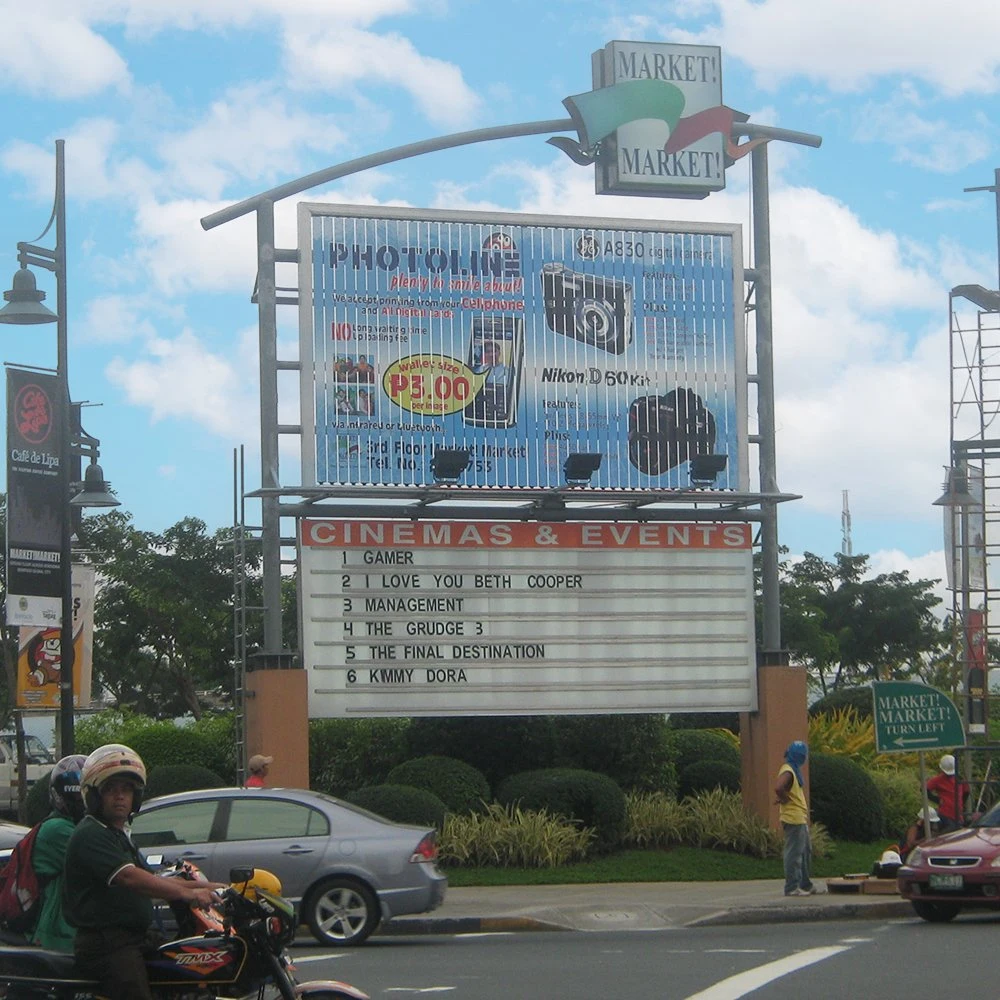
(847, 960)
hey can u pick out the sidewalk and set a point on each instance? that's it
(638, 906)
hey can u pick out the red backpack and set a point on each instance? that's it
(20, 890)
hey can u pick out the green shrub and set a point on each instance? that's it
(691, 746)
(858, 698)
(348, 754)
(113, 725)
(401, 804)
(591, 799)
(496, 746)
(844, 798)
(719, 819)
(165, 779)
(633, 750)
(704, 775)
(219, 735)
(705, 720)
(901, 798)
(37, 804)
(458, 785)
(653, 819)
(511, 837)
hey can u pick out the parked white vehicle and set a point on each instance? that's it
(39, 761)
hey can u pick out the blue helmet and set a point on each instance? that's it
(64, 787)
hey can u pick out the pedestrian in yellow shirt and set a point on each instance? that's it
(794, 816)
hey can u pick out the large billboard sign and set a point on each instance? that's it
(37, 497)
(523, 340)
(448, 618)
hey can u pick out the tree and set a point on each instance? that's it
(164, 612)
(849, 629)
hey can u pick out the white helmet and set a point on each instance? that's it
(890, 858)
(113, 760)
(947, 763)
(932, 815)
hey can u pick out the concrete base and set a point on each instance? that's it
(781, 717)
(277, 724)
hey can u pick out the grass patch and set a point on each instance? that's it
(677, 864)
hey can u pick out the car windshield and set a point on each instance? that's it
(35, 751)
(990, 818)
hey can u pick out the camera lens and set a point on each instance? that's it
(595, 321)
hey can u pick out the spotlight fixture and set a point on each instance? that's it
(704, 469)
(580, 466)
(448, 464)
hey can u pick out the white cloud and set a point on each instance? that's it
(49, 51)
(112, 319)
(340, 57)
(182, 379)
(847, 43)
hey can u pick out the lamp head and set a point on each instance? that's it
(704, 469)
(579, 467)
(24, 302)
(96, 490)
(448, 464)
(956, 490)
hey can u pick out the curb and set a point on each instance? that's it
(793, 914)
(465, 925)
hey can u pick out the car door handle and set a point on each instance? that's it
(298, 850)
(191, 856)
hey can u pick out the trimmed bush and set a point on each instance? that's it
(705, 720)
(219, 735)
(858, 698)
(900, 791)
(458, 785)
(704, 775)
(692, 746)
(348, 754)
(653, 819)
(495, 746)
(169, 778)
(633, 750)
(591, 799)
(845, 799)
(719, 819)
(401, 804)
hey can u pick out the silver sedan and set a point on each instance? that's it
(345, 868)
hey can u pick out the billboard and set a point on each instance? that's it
(39, 648)
(523, 340)
(449, 618)
(640, 158)
(37, 498)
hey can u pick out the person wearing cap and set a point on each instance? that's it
(915, 831)
(794, 816)
(949, 794)
(257, 765)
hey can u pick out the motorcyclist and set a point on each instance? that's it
(49, 853)
(109, 887)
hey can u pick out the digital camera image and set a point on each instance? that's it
(590, 308)
(664, 431)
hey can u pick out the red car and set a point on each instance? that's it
(955, 871)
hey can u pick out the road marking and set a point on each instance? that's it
(867, 940)
(302, 959)
(736, 951)
(753, 979)
(417, 989)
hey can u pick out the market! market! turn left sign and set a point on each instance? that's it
(910, 716)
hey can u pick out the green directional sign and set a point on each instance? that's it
(911, 716)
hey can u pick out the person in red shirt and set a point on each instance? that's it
(949, 793)
(257, 765)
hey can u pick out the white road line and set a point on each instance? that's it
(736, 951)
(302, 959)
(753, 979)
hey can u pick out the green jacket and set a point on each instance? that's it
(52, 931)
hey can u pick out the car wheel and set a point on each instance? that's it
(936, 913)
(341, 911)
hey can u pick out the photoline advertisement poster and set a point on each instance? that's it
(522, 340)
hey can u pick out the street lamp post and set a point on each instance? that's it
(25, 308)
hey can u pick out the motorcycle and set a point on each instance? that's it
(237, 949)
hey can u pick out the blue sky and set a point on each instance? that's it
(172, 109)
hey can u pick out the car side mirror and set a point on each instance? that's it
(240, 874)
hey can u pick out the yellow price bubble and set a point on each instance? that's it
(431, 385)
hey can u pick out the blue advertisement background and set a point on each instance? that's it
(602, 334)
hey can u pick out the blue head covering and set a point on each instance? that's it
(795, 757)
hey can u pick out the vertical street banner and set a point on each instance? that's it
(38, 659)
(976, 669)
(37, 495)
(521, 340)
